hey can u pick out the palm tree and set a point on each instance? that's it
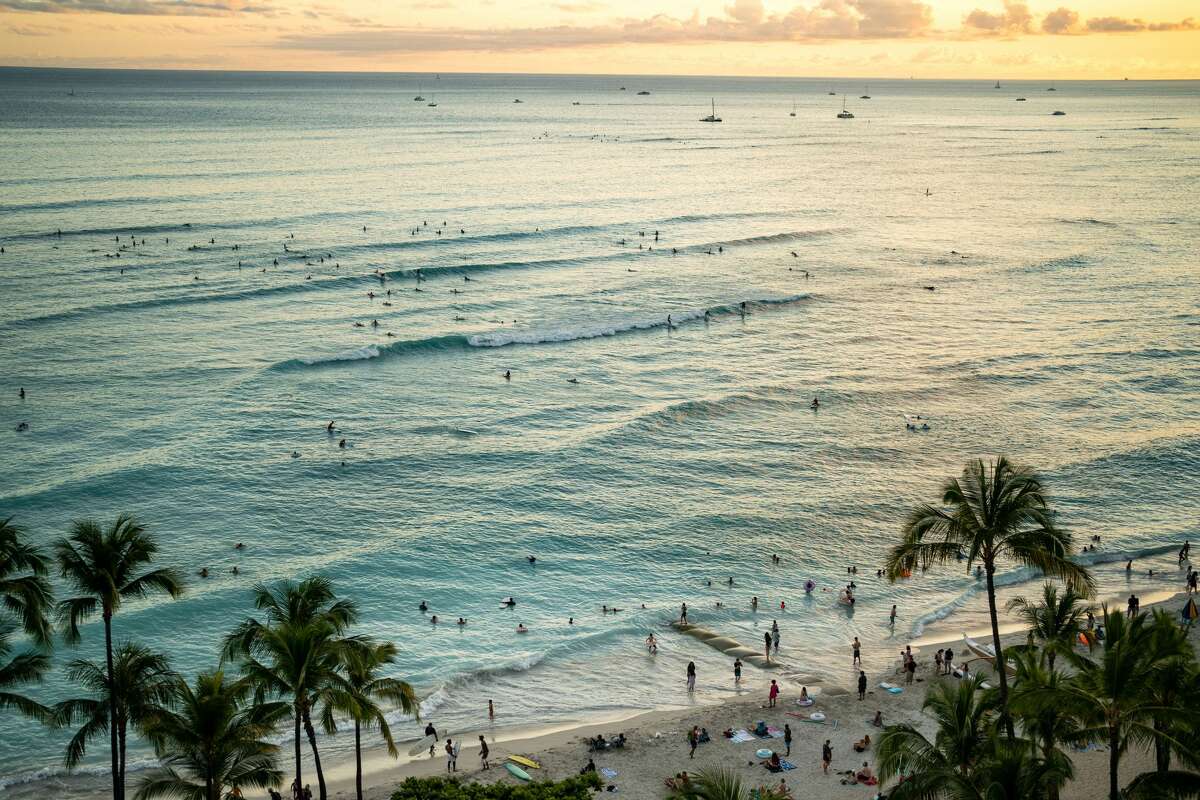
(995, 513)
(1175, 684)
(1056, 621)
(1112, 697)
(361, 699)
(948, 763)
(210, 739)
(711, 784)
(297, 653)
(141, 682)
(103, 566)
(26, 596)
(1046, 725)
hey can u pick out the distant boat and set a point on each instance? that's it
(419, 98)
(622, 88)
(1052, 89)
(575, 103)
(643, 92)
(997, 84)
(844, 114)
(72, 92)
(832, 94)
(793, 109)
(1059, 114)
(518, 100)
(713, 116)
(1020, 99)
(433, 101)
(866, 95)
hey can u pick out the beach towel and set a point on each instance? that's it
(742, 735)
(608, 773)
(787, 765)
(775, 733)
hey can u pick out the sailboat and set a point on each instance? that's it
(419, 98)
(793, 108)
(844, 114)
(433, 101)
(713, 116)
(866, 95)
(997, 84)
(1052, 89)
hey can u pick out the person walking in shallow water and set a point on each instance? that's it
(683, 614)
(691, 676)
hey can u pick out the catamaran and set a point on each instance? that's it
(844, 114)
(713, 116)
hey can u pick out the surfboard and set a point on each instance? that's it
(525, 762)
(517, 772)
(421, 746)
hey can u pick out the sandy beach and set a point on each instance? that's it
(657, 741)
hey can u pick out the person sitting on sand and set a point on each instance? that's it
(804, 700)
(704, 737)
(591, 767)
(865, 776)
(863, 744)
(773, 763)
(878, 721)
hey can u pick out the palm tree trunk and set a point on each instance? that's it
(1114, 763)
(121, 729)
(312, 742)
(118, 782)
(990, 569)
(357, 761)
(296, 742)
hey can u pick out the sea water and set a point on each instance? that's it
(1024, 282)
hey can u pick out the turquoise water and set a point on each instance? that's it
(1064, 330)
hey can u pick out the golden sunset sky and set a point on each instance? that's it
(874, 38)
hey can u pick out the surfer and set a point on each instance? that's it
(342, 444)
(508, 375)
(21, 393)
(510, 602)
(531, 559)
(423, 606)
(683, 614)
(329, 427)
(572, 380)
(742, 308)
(815, 404)
(462, 621)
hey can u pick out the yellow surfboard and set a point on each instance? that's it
(525, 762)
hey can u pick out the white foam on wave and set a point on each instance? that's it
(574, 333)
(357, 354)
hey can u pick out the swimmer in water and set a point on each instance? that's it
(521, 628)
(423, 606)
(507, 375)
(434, 619)
(203, 572)
(21, 393)
(342, 444)
(531, 559)
(509, 602)
(572, 380)
(329, 427)
(815, 403)
(462, 621)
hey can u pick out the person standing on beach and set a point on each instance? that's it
(484, 752)
(772, 694)
(693, 741)
(737, 671)
(862, 685)
(826, 757)
(856, 648)
(767, 645)
(451, 757)
(937, 663)
(691, 676)
(432, 731)
(910, 669)
(948, 660)
(683, 614)
(787, 739)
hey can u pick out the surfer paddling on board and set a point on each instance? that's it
(509, 602)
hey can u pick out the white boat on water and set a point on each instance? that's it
(713, 116)
(844, 114)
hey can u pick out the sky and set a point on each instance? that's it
(1093, 39)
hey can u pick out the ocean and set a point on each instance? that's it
(189, 378)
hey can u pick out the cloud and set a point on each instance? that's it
(34, 30)
(1014, 19)
(1061, 21)
(151, 8)
(584, 7)
(744, 21)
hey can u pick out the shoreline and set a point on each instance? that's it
(552, 748)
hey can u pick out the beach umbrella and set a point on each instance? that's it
(1190, 612)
